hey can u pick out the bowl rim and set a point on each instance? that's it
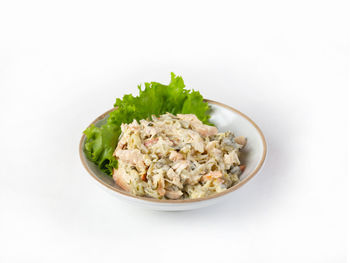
(163, 201)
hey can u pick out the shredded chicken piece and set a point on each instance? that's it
(198, 126)
(134, 157)
(173, 194)
(180, 165)
(241, 140)
(175, 156)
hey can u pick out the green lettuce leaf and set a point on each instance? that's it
(155, 99)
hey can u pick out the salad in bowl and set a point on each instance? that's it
(166, 144)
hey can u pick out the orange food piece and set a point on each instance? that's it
(242, 167)
(144, 178)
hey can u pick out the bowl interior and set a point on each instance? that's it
(225, 118)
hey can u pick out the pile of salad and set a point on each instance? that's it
(161, 144)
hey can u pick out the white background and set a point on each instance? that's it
(283, 63)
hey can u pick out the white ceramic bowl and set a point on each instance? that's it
(225, 118)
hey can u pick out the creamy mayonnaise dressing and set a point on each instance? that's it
(176, 157)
